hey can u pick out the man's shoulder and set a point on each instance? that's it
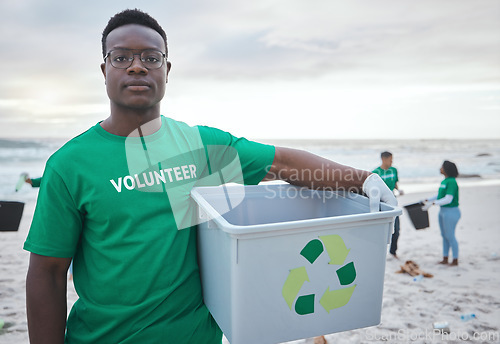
(192, 135)
(74, 146)
(175, 126)
(174, 122)
(208, 134)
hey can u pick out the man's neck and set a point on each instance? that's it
(131, 122)
(384, 167)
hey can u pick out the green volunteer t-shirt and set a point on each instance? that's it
(389, 176)
(118, 205)
(449, 186)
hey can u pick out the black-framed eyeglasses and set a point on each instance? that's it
(123, 58)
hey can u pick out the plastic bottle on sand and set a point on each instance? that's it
(467, 317)
(442, 327)
(418, 278)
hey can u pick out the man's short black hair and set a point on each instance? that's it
(134, 16)
(450, 169)
(385, 154)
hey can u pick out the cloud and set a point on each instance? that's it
(448, 42)
(277, 39)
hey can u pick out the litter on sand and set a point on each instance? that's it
(412, 269)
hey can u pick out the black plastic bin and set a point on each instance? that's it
(418, 216)
(10, 215)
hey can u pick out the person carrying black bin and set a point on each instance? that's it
(389, 175)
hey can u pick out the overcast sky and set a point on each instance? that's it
(267, 69)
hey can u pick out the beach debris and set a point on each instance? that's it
(479, 155)
(467, 316)
(412, 269)
(442, 326)
(316, 340)
(320, 340)
(418, 278)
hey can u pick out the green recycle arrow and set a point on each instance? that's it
(312, 250)
(336, 248)
(346, 274)
(293, 284)
(332, 299)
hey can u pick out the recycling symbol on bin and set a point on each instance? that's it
(331, 299)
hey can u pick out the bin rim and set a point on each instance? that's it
(412, 205)
(388, 213)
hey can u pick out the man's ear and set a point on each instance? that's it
(169, 66)
(103, 70)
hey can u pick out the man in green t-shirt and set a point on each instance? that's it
(116, 198)
(389, 175)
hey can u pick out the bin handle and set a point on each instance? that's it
(374, 204)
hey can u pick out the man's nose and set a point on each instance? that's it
(137, 66)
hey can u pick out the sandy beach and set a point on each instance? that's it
(409, 308)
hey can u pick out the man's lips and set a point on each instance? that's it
(137, 86)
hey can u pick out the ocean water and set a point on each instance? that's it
(417, 161)
(23, 156)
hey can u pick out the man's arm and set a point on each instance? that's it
(46, 285)
(306, 169)
(302, 168)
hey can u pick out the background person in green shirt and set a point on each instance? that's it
(110, 198)
(449, 213)
(389, 175)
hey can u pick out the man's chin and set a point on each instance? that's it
(139, 105)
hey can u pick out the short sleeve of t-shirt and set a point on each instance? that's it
(55, 203)
(255, 158)
(35, 182)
